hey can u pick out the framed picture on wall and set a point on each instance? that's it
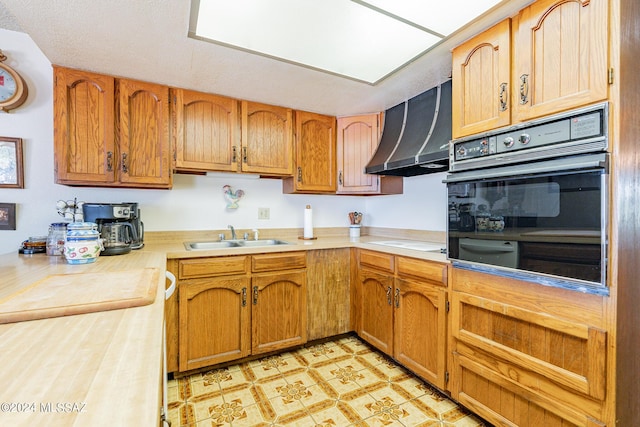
(11, 174)
(7, 216)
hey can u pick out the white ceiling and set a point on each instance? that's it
(147, 40)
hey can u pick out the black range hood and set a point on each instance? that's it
(415, 137)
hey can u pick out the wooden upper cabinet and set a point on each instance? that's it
(480, 82)
(83, 127)
(560, 61)
(357, 140)
(267, 139)
(143, 134)
(315, 155)
(560, 56)
(110, 132)
(206, 131)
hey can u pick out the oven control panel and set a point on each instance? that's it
(580, 131)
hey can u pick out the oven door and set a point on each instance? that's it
(550, 215)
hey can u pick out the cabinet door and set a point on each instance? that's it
(83, 127)
(420, 329)
(328, 290)
(207, 131)
(279, 318)
(143, 134)
(358, 137)
(480, 82)
(376, 310)
(315, 154)
(267, 139)
(560, 56)
(215, 321)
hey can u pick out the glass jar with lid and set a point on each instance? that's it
(56, 238)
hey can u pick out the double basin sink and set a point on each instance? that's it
(223, 244)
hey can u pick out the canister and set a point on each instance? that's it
(55, 238)
(82, 243)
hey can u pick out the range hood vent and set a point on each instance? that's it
(416, 134)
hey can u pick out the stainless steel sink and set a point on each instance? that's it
(200, 246)
(263, 242)
(223, 244)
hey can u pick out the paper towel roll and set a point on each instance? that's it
(308, 223)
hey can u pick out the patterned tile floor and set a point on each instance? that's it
(334, 384)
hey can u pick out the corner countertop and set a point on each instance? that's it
(104, 368)
(95, 369)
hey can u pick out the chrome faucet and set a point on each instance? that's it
(233, 232)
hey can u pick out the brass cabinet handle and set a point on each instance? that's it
(125, 168)
(503, 97)
(389, 295)
(340, 178)
(299, 174)
(524, 89)
(255, 295)
(234, 154)
(244, 297)
(109, 161)
(244, 154)
(397, 297)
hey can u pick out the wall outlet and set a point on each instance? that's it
(263, 213)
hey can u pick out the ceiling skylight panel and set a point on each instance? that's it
(338, 36)
(442, 17)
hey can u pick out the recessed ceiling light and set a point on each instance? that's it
(361, 40)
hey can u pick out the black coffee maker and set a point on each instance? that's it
(119, 225)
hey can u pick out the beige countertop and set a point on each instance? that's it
(172, 244)
(104, 368)
(95, 369)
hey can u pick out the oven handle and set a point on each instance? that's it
(484, 248)
(582, 162)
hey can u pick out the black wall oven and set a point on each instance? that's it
(531, 202)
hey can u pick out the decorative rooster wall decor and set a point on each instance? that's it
(233, 197)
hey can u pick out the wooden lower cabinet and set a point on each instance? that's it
(376, 309)
(527, 355)
(420, 329)
(234, 306)
(215, 321)
(279, 311)
(403, 311)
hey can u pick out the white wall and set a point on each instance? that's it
(195, 202)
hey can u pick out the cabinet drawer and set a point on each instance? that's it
(555, 351)
(215, 266)
(433, 272)
(279, 261)
(377, 260)
(498, 396)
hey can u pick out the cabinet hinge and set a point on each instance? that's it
(446, 377)
(447, 306)
(610, 76)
